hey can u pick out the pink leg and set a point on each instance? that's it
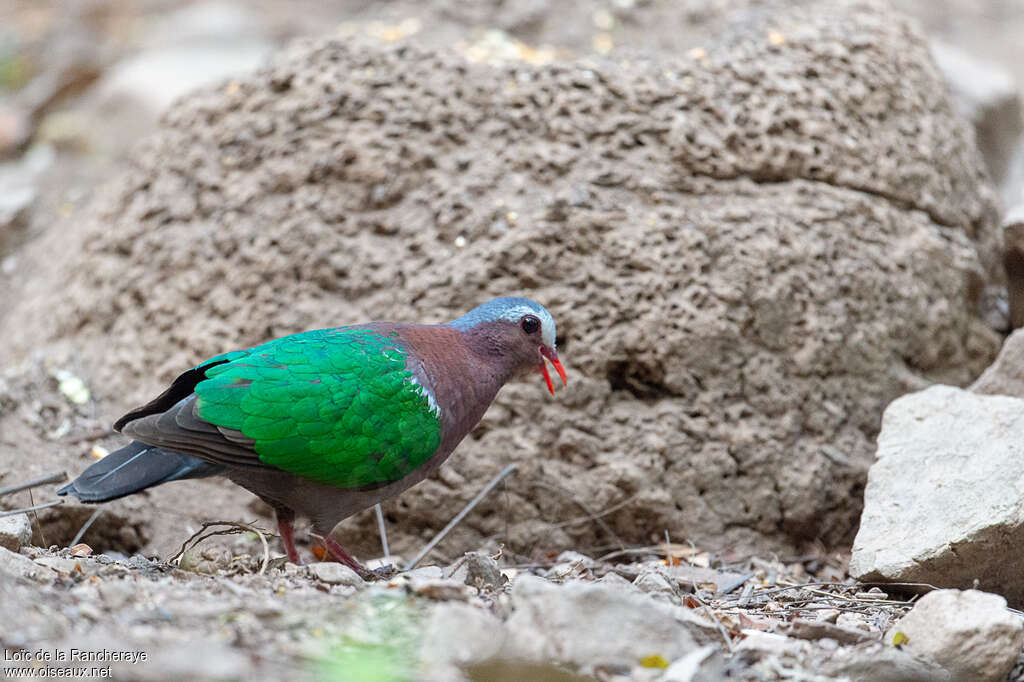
(342, 557)
(287, 532)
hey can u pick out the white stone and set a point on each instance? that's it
(970, 633)
(336, 574)
(15, 531)
(944, 502)
(586, 624)
(771, 643)
(18, 566)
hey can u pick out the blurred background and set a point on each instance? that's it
(82, 81)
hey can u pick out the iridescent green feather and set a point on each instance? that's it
(337, 406)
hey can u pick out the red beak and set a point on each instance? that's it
(552, 357)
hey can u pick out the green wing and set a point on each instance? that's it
(337, 406)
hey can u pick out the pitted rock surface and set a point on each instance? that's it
(750, 250)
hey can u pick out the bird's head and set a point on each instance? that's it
(518, 330)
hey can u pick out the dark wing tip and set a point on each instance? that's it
(180, 388)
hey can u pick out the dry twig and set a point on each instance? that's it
(592, 517)
(35, 507)
(233, 528)
(81, 531)
(382, 529)
(92, 435)
(461, 515)
(721, 628)
(58, 477)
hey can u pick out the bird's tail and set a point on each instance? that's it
(135, 467)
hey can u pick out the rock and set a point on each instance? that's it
(771, 644)
(987, 96)
(970, 633)
(723, 275)
(701, 665)
(702, 577)
(480, 634)
(822, 629)
(206, 560)
(81, 550)
(15, 531)
(482, 571)
(656, 585)
(876, 662)
(616, 580)
(568, 565)
(67, 565)
(942, 504)
(334, 573)
(587, 625)
(440, 590)
(18, 566)
(1005, 376)
(425, 573)
(853, 622)
(1013, 262)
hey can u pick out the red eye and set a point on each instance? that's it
(530, 324)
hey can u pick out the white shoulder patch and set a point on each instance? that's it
(435, 409)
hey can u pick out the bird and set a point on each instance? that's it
(325, 423)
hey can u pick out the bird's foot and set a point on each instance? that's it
(338, 553)
(384, 572)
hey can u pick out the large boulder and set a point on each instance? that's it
(750, 249)
(942, 504)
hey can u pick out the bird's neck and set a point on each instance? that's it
(463, 375)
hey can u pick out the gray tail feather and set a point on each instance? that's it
(135, 467)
